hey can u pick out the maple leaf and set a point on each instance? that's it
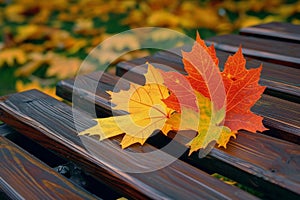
(9, 56)
(62, 67)
(236, 87)
(122, 42)
(210, 50)
(242, 91)
(147, 112)
(59, 66)
(203, 75)
(28, 32)
(36, 60)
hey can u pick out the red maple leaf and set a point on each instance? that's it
(203, 76)
(242, 92)
(236, 87)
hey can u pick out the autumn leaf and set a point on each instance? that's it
(242, 92)
(36, 60)
(62, 67)
(210, 50)
(223, 100)
(147, 112)
(59, 66)
(241, 86)
(12, 56)
(163, 18)
(28, 32)
(120, 43)
(203, 75)
(236, 86)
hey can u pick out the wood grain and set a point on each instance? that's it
(279, 52)
(250, 159)
(24, 177)
(50, 123)
(275, 30)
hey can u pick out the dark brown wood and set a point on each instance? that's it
(22, 176)
(281, 81)
(250, 159)
(275, 30)
(50, 123)
(286, 53)
(6, 130)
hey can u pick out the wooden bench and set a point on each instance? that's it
(267, 162)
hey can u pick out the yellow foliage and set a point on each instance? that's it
(37, 60)
(27, 32)
(58, 66)
(14, 12)
(12, 56)
(163, 19)
(62, 67)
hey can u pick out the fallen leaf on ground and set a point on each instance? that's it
(12, 56)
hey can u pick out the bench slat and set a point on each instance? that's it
(280, 52)
(242, 155)
(22, 176)
(274, 30)
(50, 123)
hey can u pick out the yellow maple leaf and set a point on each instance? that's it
(36, 60)
(13, 12)
(27, 32)
(63, 67)
(10, 56)
(59, 66)
(124, 41)
(147, 112)
(163, 18)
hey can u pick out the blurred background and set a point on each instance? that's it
(43, 41)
